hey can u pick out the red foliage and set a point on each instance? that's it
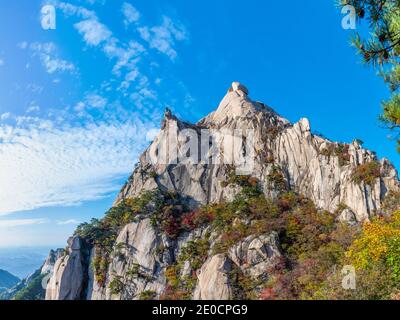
(172, 293)
(188, 221)
(193, 220)
(171, 227)
(231, 237)
(267, 294)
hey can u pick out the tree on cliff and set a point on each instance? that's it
(380, 48)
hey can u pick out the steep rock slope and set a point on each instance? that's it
(313, 166)
(144, 258)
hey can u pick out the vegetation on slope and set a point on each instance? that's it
(30, 288)
(7, 280)
(315, 245)
(33, 290)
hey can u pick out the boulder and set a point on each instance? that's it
(255, 254)
(213, 279)
(238, 87)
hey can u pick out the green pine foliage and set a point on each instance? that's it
(380, 48)
(34, 290)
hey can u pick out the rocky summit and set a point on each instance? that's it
(209, 209)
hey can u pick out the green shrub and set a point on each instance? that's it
(276, 179)
(195, 252)
(147, 295)
(243, 286)
(153, 174)
(391, 203)
(116, 285)
(339, 150)
(34, 290)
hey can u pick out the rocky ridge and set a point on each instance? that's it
(286, 157)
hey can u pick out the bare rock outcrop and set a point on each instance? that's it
(70, 271)
(136, 262)
(256, 254)
(214, 282)
(313, 166)
(277, 154)
(51, 260)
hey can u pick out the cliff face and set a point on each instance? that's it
(313, 166)
(278, 155)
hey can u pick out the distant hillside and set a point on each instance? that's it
(22, 261)
(7, 280)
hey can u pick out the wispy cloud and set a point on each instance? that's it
(4, 224)
(72, 10)
(97, 34)
(1, 62)
(131, 14)
(48, 165)
(96, 101)
(47, 52)
(93, 31)
(5, 116)
(33, 108)
(164, 37)
(67, 222)
(84, 156)
(91, 101)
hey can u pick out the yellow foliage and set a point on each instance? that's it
(374, 243)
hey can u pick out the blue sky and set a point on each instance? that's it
(78, 104)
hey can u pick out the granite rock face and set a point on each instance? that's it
(70, 272)
(255, 254)
(214, 283)
(313, 166)
(54, 255)
(306, 163)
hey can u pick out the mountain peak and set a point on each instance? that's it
(237, 104)
(243, 150)
(239, 88)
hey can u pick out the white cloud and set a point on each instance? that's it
(95, 34)
(126, 56)
(92, 100)
(43, 164)
(4, 224)
(93, 31)
(70, 221)
(96, 101)
(5, 116)
(131, 14)
(47, 53)
(35, 88)
(1, 62)
(33, 108)
(23, 45)
(71, 10)
(163, 37)
(59, 162)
